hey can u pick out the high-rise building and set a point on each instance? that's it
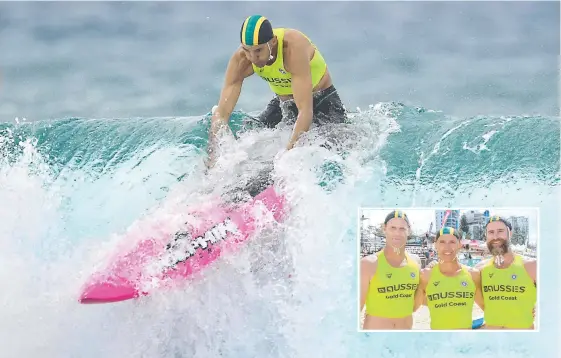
(452, 219)
(519, 223)
(476, 232)
(476, 221)
(520, 227)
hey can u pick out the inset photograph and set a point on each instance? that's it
(447, 269)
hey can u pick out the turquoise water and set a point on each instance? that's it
(114, 139)
(470, 262)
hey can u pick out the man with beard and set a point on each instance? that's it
(389, 279)
(508, 280)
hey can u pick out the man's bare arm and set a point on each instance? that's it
(421, 293)
(420, 296)
(368, 267)
(298, 61)
(239, 68)
(479, 299)
(531, 267)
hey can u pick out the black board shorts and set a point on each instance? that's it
(328, 108)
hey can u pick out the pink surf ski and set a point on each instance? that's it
(156, 262)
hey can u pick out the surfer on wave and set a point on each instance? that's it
(296, 72)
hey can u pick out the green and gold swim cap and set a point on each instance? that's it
(501, 219)
(397, 214)
(256, 30)
(448, 230)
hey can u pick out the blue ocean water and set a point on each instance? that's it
(458, 107)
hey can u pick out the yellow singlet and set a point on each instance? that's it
(278, 78)
(450, 299)
(509, 294)
(392, 290)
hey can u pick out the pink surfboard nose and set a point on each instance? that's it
(105, 292)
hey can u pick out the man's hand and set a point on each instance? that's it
(213, 110)
(210, 161)
(218, 127)
(215, 123)
(279, 155)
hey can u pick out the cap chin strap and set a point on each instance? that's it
(270, 52)
(499, 260)
(397, 250)
(441, 261)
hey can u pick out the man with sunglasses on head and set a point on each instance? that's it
(296, 72)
